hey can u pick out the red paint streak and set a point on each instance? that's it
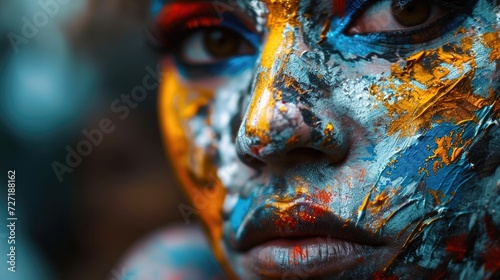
(286, 222)
(307, 217)
(360, 259)
(362, 174)
(297, 251)
(318, 211)
(339, 7)
(491, 230)
(174, 15)
(457, 246)
(323, 196)
(492, 257)
(255, 150)
(380, 275)
(177, 13)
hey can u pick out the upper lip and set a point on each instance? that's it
(297, 220)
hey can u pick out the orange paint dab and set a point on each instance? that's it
(323, 196)
(286, 223)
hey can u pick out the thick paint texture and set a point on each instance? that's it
(331, 154)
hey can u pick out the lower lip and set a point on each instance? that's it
(307, 257)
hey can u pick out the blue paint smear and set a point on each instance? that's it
(415, 157)
(449, 179)
(239, 212)
(232, 22)
(372, 155)
(383, 42)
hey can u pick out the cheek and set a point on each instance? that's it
(199, 120)
(184, 128)
(423, 120)
(450, 84)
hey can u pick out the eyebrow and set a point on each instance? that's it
(157, 5)
(339, 6)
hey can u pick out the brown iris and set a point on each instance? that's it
(411, 13)
(222, 42)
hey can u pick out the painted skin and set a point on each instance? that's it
(335, 142)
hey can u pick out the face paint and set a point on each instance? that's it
(338, 139)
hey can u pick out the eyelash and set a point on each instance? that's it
(414, 35)
(419, 34)
(169, 39)
(166, 39)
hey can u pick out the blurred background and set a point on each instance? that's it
(64, 66)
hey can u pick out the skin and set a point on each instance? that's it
(358, 156)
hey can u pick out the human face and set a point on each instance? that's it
(338, 139)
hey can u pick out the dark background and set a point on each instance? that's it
(60, 82)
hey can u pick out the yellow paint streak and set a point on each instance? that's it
(381, 201)
(329, 128)
(301, 190)
(419, 228)
(421, 92)
(283, 202)
(449, 149)
(324, 32)
(327, 131)
(176, 105)
(292, 84)
(438, 195)
(362, 207)
(277, 48)
(422, 170)
(382, 222)
(491, 40)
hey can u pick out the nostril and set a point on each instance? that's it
(250, 160)
(310, 152)
(246, 156)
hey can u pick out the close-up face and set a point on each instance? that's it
(337, 139)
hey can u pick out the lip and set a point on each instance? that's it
(302, 237)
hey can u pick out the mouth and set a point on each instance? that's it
(302, 238)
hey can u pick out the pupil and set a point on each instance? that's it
(411, 13)
(410, 8)
(221, 43)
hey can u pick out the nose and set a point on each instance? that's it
(283, 123)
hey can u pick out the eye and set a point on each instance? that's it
(396, 15)
(213, 44)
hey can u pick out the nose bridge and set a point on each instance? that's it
(277, 50)
(265, 93)
(281, 121)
